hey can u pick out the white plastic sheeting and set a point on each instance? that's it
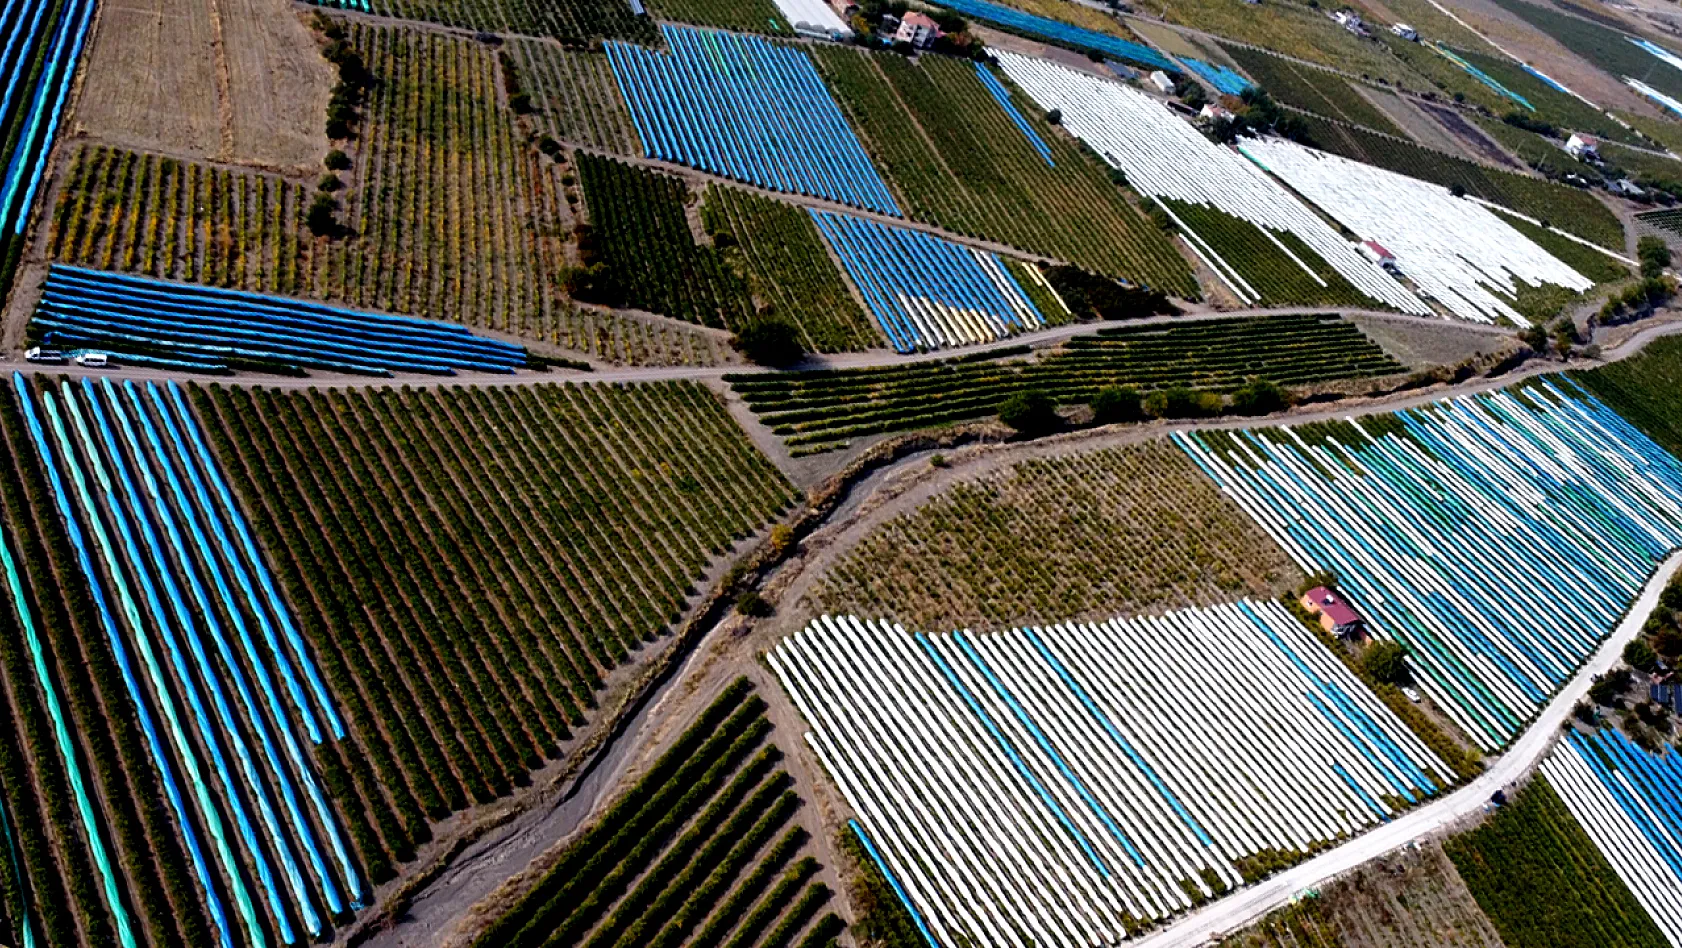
(1453, 249)
(1164, 157)
(814, 17)
(1058, 786)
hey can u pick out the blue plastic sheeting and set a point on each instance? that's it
(207, 326)
(1002, 96)
(1483, 77)
(893, 881)
(1499, 537)
(748, 109)
(1223, 79)
(1545, 78)
(36, 97)
(914, 281)
(1059, 32)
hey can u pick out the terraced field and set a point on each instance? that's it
(823, 410)
(1015, 546)
(705, 850)
(572, 21)
(1310, 89)
(544, 536)
(958, 160)
(451, 215)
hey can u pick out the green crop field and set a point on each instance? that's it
(1312, 90)
(574, 96)
(1646, 389)
(1608, 48)
(957, 161)
(700, 852)
(789, 268)
(1269, 270)
(822, 410)
(1543, 883)
(651, 261)
(1016, 546)
(1293, 29)
(470, 563)
(1569, 209)
(743, 16)
(436, 140)
(1564, 111)
(574, 21)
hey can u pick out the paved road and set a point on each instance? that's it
(1251, 903)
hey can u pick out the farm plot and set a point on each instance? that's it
(575, 97)
(1296, 30)
(822, 410)
(43, 47)
(1538, 875)
(1585, 260)
(742, 16)
(1270, 263)
(1457, 252)
(749, 110)
(1414, 511)
(1553, 104)
(1576, 212)
(1537, 151)
(469, 563)
(640, 237)
(1408, 899)
(76, 872)
(1312, 90)
(454, 217)
(787, 267)
(1625, 798)
(1074, 801)
(1612, 50)
(1645, 389)
(571, 21)
(704, 851)
(1166, 158)
(180, 326)
(230, 748)
(959, 159)
(1669, 219)
(927, 292)
(1060, 32)
(1225, 81)
(1003, 548)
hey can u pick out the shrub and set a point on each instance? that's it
(1031, 412)
(771, 341)
(1609, 689)
(322, 219)
(520, 103)
(1387, 661)
(1182, 402)
(329, 183)
(1259, 397)
(1117, 403)
(1655, 256)
(1054, 117)
(751, 603)
(337, 160)
(1640, 656)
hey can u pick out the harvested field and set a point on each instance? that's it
(1418, 126)
(1409, 899)
(239, 81)
(453, 217)
(1470, 139)
(1017, 546)
(543, 536)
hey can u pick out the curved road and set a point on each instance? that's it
(1249, 904)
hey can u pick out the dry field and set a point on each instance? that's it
(1520, 39)
(238, 81)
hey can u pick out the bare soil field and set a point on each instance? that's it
(238, 81)
(1412, 119)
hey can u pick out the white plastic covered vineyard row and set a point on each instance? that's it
(1454, 249)
(1500, 536)
(1629, 801)
(1164, 157)
(1057, 786)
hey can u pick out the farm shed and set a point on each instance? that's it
(1162, 82)
(815, 18)
(1580, 145)
(1337, 616)
(1377, 253)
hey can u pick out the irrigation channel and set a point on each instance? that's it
(477, 868)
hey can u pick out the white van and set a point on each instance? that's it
(93, 360)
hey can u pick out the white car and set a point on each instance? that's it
(1412, 693)
(93, 360)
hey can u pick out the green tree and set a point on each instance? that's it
(1117, 403)
(770, 341)
(1640, 656)
(337, 160)
(1386, 661)
(1259, 397)
(322, 218)
(1031, 412)
(1655, 256)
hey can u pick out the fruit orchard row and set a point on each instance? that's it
(702, 851)
(1022, 543)
(958, 161)
(470, 563)
(825, 408)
